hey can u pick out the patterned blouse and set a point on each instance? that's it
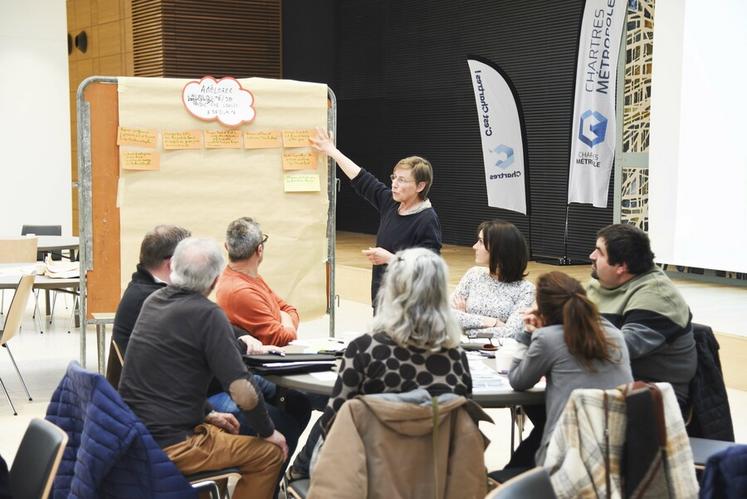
(487, 296)
(376, 364)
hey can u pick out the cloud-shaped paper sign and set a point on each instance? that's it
(223, 100)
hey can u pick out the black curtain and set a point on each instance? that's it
(399, 70)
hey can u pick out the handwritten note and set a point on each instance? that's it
(223, 139)
(223, 100)
(138, 160)
(297, 138)
(188, 139)
(262, 140)
(301, 182)
(142, 137)
(299, 160)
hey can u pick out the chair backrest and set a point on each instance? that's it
(37, 460)
(118, 452)
(18, 250)
(639, 427)
(405, 450)
(17, 308)
(42, 230)
(114, 365)
(708, 414)
(532, 483)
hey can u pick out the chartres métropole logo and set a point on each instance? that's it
(592, 128)
(505, 156)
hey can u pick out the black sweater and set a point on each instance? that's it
(396, 232)
(141, 287)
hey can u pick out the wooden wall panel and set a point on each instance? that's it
(147, 38)
(191, 38)
(103, 280)
(108, 25)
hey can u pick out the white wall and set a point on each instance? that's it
(697, 160)
(34, 116)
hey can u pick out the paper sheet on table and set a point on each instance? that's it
(61, 269)
(313, 345)
(325, 376)
(205, 189)
(486, 378)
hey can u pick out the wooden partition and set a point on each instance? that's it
(103, 288)
(110, 234)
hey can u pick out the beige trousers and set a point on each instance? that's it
(210, 448)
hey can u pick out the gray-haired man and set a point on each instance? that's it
(182, 340)
(244, 295)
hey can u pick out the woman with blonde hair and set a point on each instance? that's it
(413, 343)
(406, 217)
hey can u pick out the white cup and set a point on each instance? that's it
(503, 358)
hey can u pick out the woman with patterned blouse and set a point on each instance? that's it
(489, 302)
(414, 343)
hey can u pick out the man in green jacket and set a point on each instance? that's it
(637, 297)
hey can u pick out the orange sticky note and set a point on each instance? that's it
(139, 160)
(187, 139)
(142, 137)
(297, 138)
(301, 182)
(293, 160)
(223, 139)
(262, 140)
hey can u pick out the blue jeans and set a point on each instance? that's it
(290, 414)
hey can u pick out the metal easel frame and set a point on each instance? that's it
(85, 196)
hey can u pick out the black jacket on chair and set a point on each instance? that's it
(709, 403)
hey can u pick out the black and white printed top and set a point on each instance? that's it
(487, 296)
(376, 364)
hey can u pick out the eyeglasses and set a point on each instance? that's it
(265, 237)
(400, 180)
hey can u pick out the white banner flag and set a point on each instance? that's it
(594, 129)
(502, 139)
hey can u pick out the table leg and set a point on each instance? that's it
(47, 306)
(100, 344)
(513, 418)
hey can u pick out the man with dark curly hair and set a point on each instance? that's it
(638, 297)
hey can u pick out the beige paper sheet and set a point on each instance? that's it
(204, 190)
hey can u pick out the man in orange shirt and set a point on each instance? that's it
(245, 297)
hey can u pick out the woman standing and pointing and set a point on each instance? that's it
(406, 217)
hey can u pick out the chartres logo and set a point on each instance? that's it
(505, 156)
(223, 100)
(592, 128)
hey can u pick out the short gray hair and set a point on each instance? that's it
(412, 304)
(196, 264)
(243, 237)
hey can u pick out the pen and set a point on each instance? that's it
(277, 352)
